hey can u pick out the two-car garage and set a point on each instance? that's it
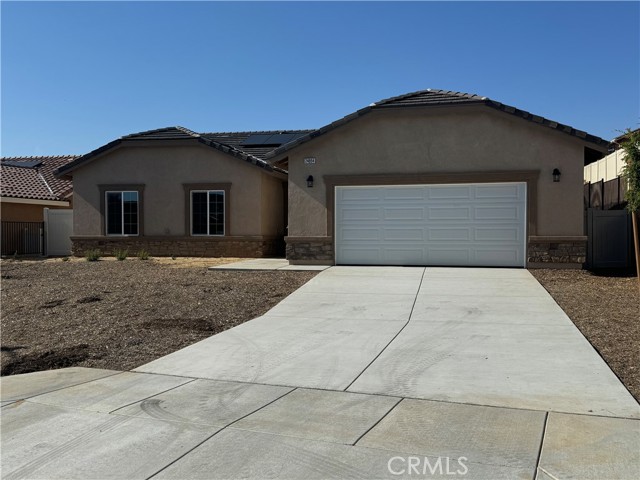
(480, 224)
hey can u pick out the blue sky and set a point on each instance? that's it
(78, 75)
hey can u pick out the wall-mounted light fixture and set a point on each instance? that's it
(556, 175)
(310, 181)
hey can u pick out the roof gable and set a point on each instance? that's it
(432, 98)
(226, 142)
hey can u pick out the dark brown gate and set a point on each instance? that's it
(22, 238)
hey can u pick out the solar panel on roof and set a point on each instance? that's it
(27, 164)
(281, 138)
(256, 139)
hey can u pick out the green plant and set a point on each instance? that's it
(631, 169)
(173, 257)
(143, 254)
(631, 173)
(92, 255)
(65, 259)
(121, 254)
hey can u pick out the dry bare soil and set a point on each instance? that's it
(606, 309)
(123, 314)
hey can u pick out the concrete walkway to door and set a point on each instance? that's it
(357, 374)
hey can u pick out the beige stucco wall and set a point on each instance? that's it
(272, 206)
(21, 212)
(163, 169)
(440, 140)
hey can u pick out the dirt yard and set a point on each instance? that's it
(122, 314)
(606, 309)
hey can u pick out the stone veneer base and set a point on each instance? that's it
(542, 252)
(242, 247)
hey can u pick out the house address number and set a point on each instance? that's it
(310, 160)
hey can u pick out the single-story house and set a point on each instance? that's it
(172, 191)
(28, 185)
(427, 178)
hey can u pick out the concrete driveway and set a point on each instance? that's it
(364, 372)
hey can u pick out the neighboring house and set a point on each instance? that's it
(28, 185)
(427, 178)
(172, 191)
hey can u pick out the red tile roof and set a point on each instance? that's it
(33, 178)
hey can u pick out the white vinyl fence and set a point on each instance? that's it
(58, 227)
(605, 169)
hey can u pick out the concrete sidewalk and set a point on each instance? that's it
(473, 372)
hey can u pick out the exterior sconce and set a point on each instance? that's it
(310, 181)
(556, 175)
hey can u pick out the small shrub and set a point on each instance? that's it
(92, 255)
(143, 255)
(65, 259)
(173, 257)
(121, 254)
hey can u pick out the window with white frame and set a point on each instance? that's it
(207, 212)
(122, 212)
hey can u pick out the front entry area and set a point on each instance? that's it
(471, 224)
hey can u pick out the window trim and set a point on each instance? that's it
(120, 188)
(225, 188)
(106, 212)
(224, 203)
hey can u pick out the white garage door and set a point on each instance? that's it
(457, 225)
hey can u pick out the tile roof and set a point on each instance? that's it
(227, 142)
(430, 98)
(233, 144)
(34, 177)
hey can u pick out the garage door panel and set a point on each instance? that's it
(403, 234)
(401, 256)
(360, 214)
(457, 225)
(498, 192)
(404, 194)
(496, 213)
(360, 234)
(449, 213)
(359, 194)
(504, 257)
(450, 192)
(403, 213)
(449, 234)
(362, 256)
(495, 233)
(445, 255)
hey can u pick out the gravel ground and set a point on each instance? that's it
(606, 309)
(120, 315)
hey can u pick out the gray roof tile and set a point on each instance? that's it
(432, 97)
(227, 142)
